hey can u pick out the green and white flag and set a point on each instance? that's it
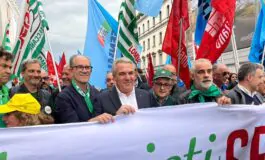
(128, 42)
(6, 44)
(42, 58)
(31, 37)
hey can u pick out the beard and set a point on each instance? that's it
(205, 84)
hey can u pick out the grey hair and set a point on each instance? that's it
(121, 60)
(248, 68)
(72, 58)
(28, 61)
(201, 60)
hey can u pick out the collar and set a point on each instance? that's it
(124, 95)
(242, 88)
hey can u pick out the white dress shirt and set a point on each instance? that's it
(128, 100)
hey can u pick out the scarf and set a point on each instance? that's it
(212, 91)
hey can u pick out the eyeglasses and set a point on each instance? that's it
(226, 73)
(166, 85)
(81, 67)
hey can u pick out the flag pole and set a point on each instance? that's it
(235, 50)
(53, 62)
(117, 39)
(180, 45)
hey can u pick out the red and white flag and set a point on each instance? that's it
(171, 41)
(218, 30)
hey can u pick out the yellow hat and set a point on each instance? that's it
(23, 103)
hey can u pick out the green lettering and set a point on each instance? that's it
(3, 156)
(192, 151)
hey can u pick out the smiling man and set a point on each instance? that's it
(124, 97)
(76, 102)
(203, 89)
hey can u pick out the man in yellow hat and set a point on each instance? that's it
(5, 72)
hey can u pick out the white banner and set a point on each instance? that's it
(186, 132)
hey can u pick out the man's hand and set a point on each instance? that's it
(223, 100)
(125, 109)
(103, 118)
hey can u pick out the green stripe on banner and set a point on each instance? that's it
(125, 52)
(125, 38)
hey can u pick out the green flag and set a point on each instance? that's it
(31, 36)
(6, 40)
(128, 37)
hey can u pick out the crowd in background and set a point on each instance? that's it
(126, 89)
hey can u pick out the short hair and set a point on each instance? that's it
(29, 61)
(248, 68)
(201, 60)
(5, 54)
(72, 58)
(121, 60)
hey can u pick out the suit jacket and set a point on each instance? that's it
(237, 96)
(109, 101)
(70, 106)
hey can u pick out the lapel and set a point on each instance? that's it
(237, 89)
(138, 96)
(114, 97)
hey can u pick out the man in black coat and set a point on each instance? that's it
(124, 97)
(250, 76)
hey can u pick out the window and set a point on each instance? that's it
(160, 16)
(168, 11)
(143, 28)
(154, 41)
(160, 59)
(160, 38)
(143, 58)
(143, 46)
(148, 25)
(148, 43)
(154, 21)
(139, 31)
(154, 59)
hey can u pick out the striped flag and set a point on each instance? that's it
(128, 37)
(31, 37)
(6, 44)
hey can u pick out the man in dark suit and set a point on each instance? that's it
(76, 102)
(250, 76)
(123, 98)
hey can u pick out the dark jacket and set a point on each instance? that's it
(109, 101)
(237, 96)
(42, 96)
(70, 106)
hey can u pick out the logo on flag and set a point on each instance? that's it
(103, 32)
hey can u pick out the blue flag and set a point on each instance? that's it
(202, 18)
(149, 7)
(100, 42)
(257, 44)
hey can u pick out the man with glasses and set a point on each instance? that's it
(5, 72)
(221, 74)
(124, 97)
(162, 85)
(31, 73)
(45, 82)
(203, 90)
(76, 102)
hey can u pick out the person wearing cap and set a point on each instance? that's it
(5, 72)
(203, 90)
(162, 85)
(23, 110)
(124, 97)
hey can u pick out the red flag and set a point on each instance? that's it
(150, 70)
(171, 41)
(51, 71)
(61, 65)
(218, 30)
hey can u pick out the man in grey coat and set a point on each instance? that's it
(250, 76)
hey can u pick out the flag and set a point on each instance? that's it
(51, 69)
(42, 59)
(258, 40)
(171, 41)
(61, 65)
(6, 44)
(150, 70)
(204, 10)
(100, 42)
(149, 7)
(218, 30)
(128, 42)
(31, 37)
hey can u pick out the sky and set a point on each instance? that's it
(68, 23)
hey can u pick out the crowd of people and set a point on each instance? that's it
(127, 89)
